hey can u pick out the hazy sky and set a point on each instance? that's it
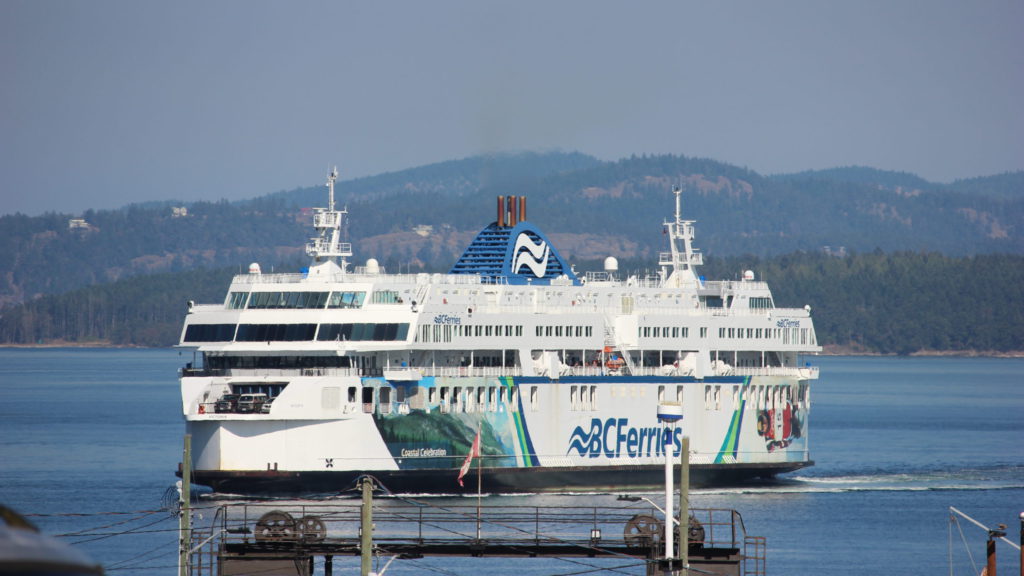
(105, 103)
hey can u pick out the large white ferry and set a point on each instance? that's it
(303, 382)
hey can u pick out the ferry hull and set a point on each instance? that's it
(493, 480)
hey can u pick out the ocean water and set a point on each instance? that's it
(91, 439)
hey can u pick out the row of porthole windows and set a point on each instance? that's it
(762, 397)
(469, 399)
(667, 332)
(465, 399)
(787, 335)
(446, 332)
(564, 331)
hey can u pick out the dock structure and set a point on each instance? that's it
(294, 538)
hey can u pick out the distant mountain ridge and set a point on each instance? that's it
(423, 217)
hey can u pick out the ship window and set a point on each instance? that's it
(573, 402)
(540, 331)
(661, 394)
(593, 397)
(534, 399)
(352, 395)
(547, 331)
(346, 300)
(238, 300)
(707, 397)
(514, 400)
(703, 331)
(209, 332)
(735, 396)
(385, 297)
(275, 332)
(679, 394)
(718, 397)
(385, 400)
(590, 331)
(368, 400)
(359, 332)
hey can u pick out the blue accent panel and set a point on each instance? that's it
(530, 458)
(515, 255)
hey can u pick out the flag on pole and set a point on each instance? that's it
(474, 451)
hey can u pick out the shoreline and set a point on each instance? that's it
(827, 350)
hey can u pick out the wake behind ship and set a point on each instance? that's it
(304, 382)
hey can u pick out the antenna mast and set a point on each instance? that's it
(327, 221)
(682, 258)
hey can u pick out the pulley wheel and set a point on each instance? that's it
(311, 528)
(275, 525)
(641, 531)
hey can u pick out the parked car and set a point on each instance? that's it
(226, 403)
(251, 403)
(265, 409)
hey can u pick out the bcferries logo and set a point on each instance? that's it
(533, 256)
(615, 438)
(787, 323)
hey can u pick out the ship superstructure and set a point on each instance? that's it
(303, 382)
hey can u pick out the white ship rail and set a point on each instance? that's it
(803, 373)
(693, 259)
(397, 279)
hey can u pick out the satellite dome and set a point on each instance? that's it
(372, 266)
(748, 275)
(254, 268)
(611, 264)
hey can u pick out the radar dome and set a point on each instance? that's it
(748, 275)
(611, 264)
(372, 266)
(254, 268)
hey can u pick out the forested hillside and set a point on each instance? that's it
(422, 218)
(901, 303)
(138, 311)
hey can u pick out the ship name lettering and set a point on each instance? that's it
(615, 438)
(787, 323)
(423, 452)
(447, 319)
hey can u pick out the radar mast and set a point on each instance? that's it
(678, 264)
(327, 222)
